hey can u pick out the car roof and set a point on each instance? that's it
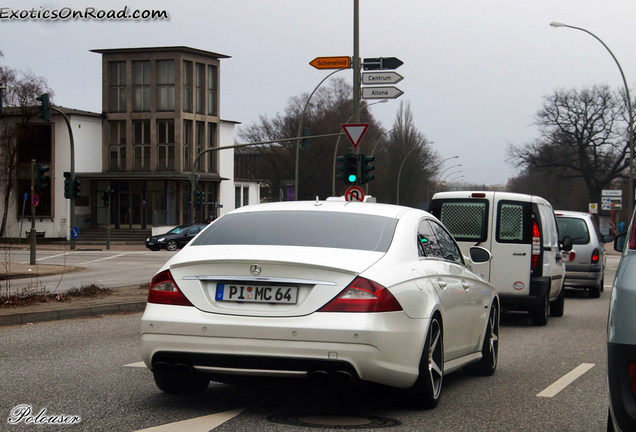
(572, 213)
(385, 210)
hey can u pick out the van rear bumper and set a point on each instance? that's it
(539, 288)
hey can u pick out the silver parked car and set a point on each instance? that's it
(585, 263)
(621, 337)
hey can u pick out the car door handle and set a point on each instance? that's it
(466, 285)
(442, 283)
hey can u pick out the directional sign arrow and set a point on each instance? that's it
(341, 62)
(376, 78)
(382, 63)
(389, 92)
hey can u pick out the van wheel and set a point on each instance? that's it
(539, 313)
(557, 306)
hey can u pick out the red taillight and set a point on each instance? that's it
(632, 238)
(631, 371)
(536, 244)
(164, 290)
(572, 256)
(595, 256)
(363, 295)
(478, 195)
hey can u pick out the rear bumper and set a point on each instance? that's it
(385, 348)
(539, 288)
(622, 402)
(583, 278)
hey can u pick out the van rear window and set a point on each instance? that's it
(466, 221)
(514, 222)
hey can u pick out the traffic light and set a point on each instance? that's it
(41, 179)
(45, 113)
(77, 188)
(67, 185)
(349, 169)
(105, 198)
(366, 168)
(304, 144)
(186, 201)
(198, 198)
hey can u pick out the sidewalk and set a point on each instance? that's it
(122, 299)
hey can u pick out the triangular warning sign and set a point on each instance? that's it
(355, 132)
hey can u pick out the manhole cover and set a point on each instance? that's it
(333, 421)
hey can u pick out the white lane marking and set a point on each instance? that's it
(198, 424)
(566, 380)
(138, 364)
(106, 258)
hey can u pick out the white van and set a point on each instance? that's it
(522, 235)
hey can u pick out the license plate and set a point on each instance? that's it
(151, 244)
(256, 293)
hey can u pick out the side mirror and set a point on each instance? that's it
(479, 255)
(619, 242)
(566, 245)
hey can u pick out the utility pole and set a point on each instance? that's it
(356, 61)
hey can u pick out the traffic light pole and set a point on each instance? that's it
(32, 232)
(72, 204)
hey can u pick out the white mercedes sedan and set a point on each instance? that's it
(324, 291)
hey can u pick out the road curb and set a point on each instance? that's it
(55, 315)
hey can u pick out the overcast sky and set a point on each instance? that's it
(475, 72)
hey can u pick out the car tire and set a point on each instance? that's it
(175, 384)
(171, 246)
(595, 291)
(490, 349)
(426, 391)
(557, 306)
(539, 313)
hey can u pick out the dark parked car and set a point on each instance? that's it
(176, 238)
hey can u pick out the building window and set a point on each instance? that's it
(165, 85)
(200, 140)
(246, 195)
(199, 83)
(212, 76)
(118, 145)
(241, 195)
(187, 86)
(187, 144)
(212, 156)
(141, 144)
(237, 196)
(141, 85)
(165, 144)
(117, 84)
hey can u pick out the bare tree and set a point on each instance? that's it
(583, 135)
(22, 89)
(407, 148)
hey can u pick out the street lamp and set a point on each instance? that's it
(428, 187)
(300, 131)
(629, 108)
(397, 199)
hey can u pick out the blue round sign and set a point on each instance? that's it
(26, 196)
(74, 233)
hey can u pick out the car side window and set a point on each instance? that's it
(450, 250)
(193, 230)
(428, 246)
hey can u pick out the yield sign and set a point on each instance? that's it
(355, 132)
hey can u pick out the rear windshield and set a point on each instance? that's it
(466, 220)
(575, 228)
(301, 228)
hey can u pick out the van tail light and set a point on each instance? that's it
(572, 256)
(536, 245)
(632, 237)
(595, 256)
(363, 295)
(164, 290)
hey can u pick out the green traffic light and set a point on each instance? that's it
(352, 178)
